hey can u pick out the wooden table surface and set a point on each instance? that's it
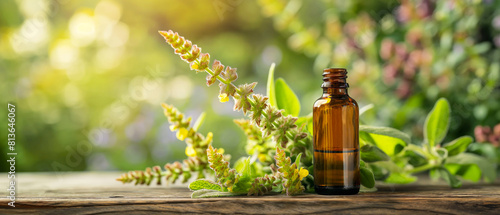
(99, 193)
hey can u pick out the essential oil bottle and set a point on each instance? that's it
(336, 137)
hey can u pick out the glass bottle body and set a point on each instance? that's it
(336, 142)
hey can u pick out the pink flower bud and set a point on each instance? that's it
(217, 67)
(480, 136)
(387, 49)
(496, 130)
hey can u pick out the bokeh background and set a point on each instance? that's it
(88, 77)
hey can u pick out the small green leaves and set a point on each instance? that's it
(226, 177)
(241, 99)
(230, 74)
(205, 193)
(469, 172)
(202, 64)
(258, 108)
(286, 98)
(204, 184)
(458, 145)
(271, 92)
(389, 140)
(227, 89)
(290, 173)
(487, 167)
(367, 178)
(217, 68)
(437, 122)
(371, 153)
(386, 131)
(199, 121)
(266, 184)
(449, 178)
(416, 159)
(390, 145)
(378, 172)
(244, 182)
(400, 178)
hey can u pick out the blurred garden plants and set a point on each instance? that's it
(404, 53)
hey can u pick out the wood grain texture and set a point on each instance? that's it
(98, 193)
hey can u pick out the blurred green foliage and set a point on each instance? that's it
(88, 77)
(403, 55)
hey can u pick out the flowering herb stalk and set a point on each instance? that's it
(269, 119)
(257, 144)
(197, 161)
(286, 178)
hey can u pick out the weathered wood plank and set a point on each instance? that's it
(98, 193)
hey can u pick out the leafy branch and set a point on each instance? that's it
(392, 157)
(286, 178)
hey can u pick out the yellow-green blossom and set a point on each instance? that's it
(303, 173)
(223, 97)
(182, 134)
(190, 152)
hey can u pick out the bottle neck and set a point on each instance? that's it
(334, 82)
(329, 91)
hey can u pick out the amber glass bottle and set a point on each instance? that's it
(336, 137)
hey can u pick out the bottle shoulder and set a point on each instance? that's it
(335, 101)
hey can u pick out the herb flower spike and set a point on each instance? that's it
(226, 177)
(200, 62)
(197, 160)
(291, 174)
(269, 119)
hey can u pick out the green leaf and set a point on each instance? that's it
(367, 178)
(390, 145)
(371, 153)
(400, 178)
(437, 122)
(364, 189)
(240, 164)
(365, 138)
(389, 140)
(212, 193)
(246, 172)
(416, 159)
(469, 172)
(378, 172)
(286, 98)
(365, 108)
(199, 121)
(442, 153)
(487, 167)
(304, 120)
(310, 127)
(458, 145)
(297, 160)
(486, 150)
(204, 184)
(244, 182)
(386, 131)
(271, 93)
(434, 174)
(449, 178)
